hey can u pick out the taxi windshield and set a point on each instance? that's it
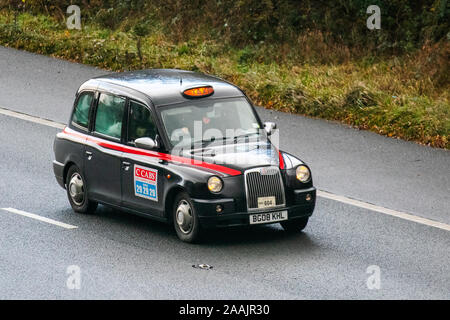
(203, 122)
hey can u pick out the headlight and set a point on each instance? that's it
(215, 184)
(302, 173)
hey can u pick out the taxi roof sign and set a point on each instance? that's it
(198, 92)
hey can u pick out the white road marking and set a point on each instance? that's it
(320, 193)
(40, 218)
(390, 212)
(29, 118)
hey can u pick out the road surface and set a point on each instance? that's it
(125, 256)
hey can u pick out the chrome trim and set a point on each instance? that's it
(58, 163)
(266, 187)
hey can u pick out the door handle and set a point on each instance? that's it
(89, 155)
(126, 165)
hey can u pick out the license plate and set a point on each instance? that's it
(268, 217)
(266, 202)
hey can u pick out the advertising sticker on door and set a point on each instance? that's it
(146, 183)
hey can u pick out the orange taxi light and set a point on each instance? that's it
(199, 92)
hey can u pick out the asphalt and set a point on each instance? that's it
(125, 256)
(362, 165)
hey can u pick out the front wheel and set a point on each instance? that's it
(185, 219)
(77, 192)
(295, 225)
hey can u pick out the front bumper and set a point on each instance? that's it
(58, 170)
(209, 218)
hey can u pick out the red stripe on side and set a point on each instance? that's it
(74, 133)
(159, 155)
(280, 156)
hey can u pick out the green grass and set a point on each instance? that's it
(405, 97)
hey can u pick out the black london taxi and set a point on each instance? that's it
(180, 147)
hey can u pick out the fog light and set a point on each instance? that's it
(219, 208)
(308, 197)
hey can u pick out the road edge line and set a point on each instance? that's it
(390, 212)
(40, 218)
(34, 119)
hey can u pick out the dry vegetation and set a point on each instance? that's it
(395, 91)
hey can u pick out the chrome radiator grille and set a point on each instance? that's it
(264, 182)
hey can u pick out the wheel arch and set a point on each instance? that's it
(66, 170)
(168, 201)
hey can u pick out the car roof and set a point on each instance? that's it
(165, 86)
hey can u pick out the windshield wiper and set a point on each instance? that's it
(246, 135)
(205, 143)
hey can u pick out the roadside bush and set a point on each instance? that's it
(405, 24)
(313, 58)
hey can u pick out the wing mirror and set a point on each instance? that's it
(270, 127)
(146, 143)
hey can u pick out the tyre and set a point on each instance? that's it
(185, 219)
(77, 192)
(295, 225)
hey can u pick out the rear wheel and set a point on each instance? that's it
(77, 192)
(185, 219)
(295, 225)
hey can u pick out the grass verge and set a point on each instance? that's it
(405, 97)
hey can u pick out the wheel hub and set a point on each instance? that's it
(76, 189)
(184, 216)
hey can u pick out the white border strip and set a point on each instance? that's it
(29, 118)
(43, 219)
(390, 212)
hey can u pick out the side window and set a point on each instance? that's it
(109, 117)
(80, 115)
(140, 123)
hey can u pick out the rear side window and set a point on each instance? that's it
(110, 110)
(140, 123)
(80, 115)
